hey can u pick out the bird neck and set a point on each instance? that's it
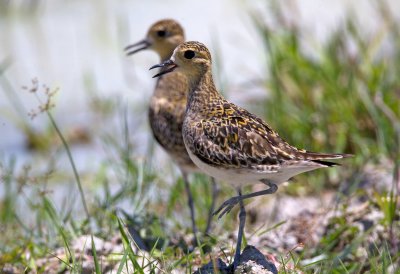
(202, 92)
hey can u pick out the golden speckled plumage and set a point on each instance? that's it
(168, 102)
(228, 142)
(168, 105)
(223, 138)
(166, 114)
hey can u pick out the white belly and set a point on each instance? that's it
(233, 177)
(245, 176)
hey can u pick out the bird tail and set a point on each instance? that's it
(326, 163)
(321, 157)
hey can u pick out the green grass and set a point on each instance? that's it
(334, 99)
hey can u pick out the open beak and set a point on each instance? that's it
(166, 67)
(141, 45)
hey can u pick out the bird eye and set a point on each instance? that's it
(189, 54)
(161, 33)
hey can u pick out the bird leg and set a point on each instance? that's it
(191, 206)
(215, 191)
(227, 206)
(242, 222)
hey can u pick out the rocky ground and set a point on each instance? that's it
(303, 223)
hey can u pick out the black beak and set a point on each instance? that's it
(144, 44)
(166, 67)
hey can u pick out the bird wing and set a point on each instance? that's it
(242, 140)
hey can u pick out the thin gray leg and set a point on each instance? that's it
(242, 222)
(215, 191)
(191, 205)
(227, 206)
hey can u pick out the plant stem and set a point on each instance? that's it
(71, 160)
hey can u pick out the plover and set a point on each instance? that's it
(228, 142)
(168, 104)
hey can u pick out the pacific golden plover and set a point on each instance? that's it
(168, 105)
(230, 143)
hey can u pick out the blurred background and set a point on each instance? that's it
(77, 47)
(323, 74)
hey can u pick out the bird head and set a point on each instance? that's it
(192, 58)
(162, 37)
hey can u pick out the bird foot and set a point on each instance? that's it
(227, 206)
